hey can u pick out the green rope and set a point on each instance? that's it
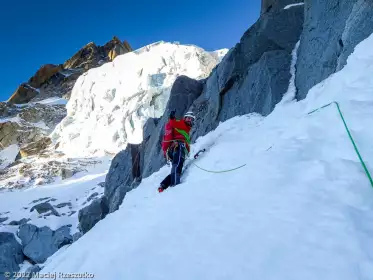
(221, 171)
(350, 136)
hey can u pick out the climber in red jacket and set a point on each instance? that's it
(176, 146)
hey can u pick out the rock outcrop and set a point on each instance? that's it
(119, 178)
(15, 133)
(29, 123)
(276, 5)
(115, 47)
(44, 74)
(23, 94)
(332, 29)
(11, 255)
(40, 243)
(92, 214)
(43, 208)
(35, 148)
(92, 55)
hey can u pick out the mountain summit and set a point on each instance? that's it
(57, 80)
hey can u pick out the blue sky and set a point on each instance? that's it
(38, 32)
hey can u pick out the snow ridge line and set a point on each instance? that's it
(350, 136)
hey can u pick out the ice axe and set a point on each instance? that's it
(198, 153)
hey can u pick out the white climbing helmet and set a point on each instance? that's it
(190, 115)
(189, 118)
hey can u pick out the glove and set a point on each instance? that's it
(172, 114)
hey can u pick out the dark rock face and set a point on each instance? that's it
(20, 222)
(10, 253)
(359, 26)
(332, 29)
(40, 243)
(91, 215)
(255, 74)
(63, 204)
(92, 55)
(44, 207)
(276, 5)
(266, 6)
(115, 47)
(66, 173)
(23, 94)
(77, 235)
(123, 176)
(43, 74)
(265, 76)
(85, 58)
(40, 199)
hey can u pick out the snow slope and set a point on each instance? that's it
(301, 208)
(8, 155)
(48, 101)
(110, 104)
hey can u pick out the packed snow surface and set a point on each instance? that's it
(293, 5)
(48, 101)
(110, 104)
(301, 208)
(8, 155)
(52, 101)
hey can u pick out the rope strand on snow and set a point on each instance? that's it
(221, 171)
(351, 138)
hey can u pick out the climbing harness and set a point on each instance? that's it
(350, 136)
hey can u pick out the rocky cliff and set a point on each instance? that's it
(331, 31)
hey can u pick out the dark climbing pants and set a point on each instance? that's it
(177, 156)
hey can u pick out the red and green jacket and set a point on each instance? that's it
(176, 130)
